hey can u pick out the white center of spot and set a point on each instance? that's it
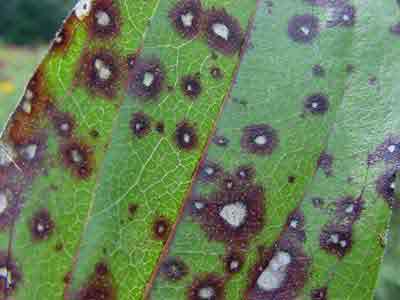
(29, 95)
(76, 156)
(102, 18)
(27, 106)
(148, 79)
(187, 19)
(82, 9)
(314, 104)
(346, 17)
(186, 138)
(198, 205)
(234, 265)
(343, 244)
(334, 238)
(391, 148)
(4, 273)
(103, 71)
(275, 273)
(221, 30)
(209, 171)
(234, 214)
(40, 227)
(393, 185)
(260, 140)
(305, 30)
(294, 223)
(29, 152)
(350, 209)
(64, 127)
(3, 202)
(206, 293)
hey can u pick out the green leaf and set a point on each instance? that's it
(248, 152)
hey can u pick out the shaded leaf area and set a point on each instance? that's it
(296, 204)
(87, 223)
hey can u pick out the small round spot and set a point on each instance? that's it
(325, 162)
(146, 79)
(132, 209)
(104, 19)
(191, 86)
(220, 140)
(223, 32)
(216, 73)
(160, 127)
(186, 18)
(245, 173)
(209, 171)
(303, 28)
(291, 179)
(161, 228)
(318, 71)
(318, 202)
(317, 104)
(140, 124)
(233, 263)
(174, 269)
(260, 139)
(185, 136)
(100, 73)
(41, 225)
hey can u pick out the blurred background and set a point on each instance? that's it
(26, 28)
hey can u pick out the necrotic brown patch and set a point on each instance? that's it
(99, 286)
(186, 136)
(173, 269)
(343, 15)
(100, 73)
(63, 37)
(285, 282)
(223, 32)
(10, 275)
(260, 139)
(161, 228)
(191, 86)
(386, 186)
(186, 17)
(41, 225)
(104, 19)
(388, 151)
(233, 216)
(336, 239)
(146, 78)
(303, 28)
(325, 161)
(206, 287)
(140, 124)
(349, 209)
(79, 158)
